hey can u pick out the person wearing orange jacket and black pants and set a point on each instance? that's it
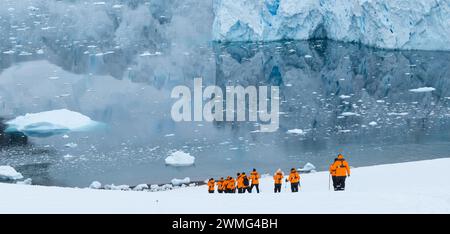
(254, 176)
(342, 170)
(245, 183)
(240, 183)
(225, 185)
(220, 187)
(231, 185)
(211, 185)
(278, 179)
(294, 178)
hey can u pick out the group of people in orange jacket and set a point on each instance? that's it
(241, 184)
(339, 170)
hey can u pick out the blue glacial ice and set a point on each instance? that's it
(49, 123)
(401, 24)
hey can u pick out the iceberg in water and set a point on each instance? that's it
(180, 159)
(178, 182)
(9, 173)
(308, 168)
(423, 90)
(49, 123)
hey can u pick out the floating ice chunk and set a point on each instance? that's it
(373, 123)
(178, 182)
(308, 168)
(68, 156)
(140, 187)
(154, 187)
(397, 114)
(423, 90)
(167, 187)
(345, 97)
(349, 114)
(117, 6)
(117, 187)
(49, 123)
(71, 145)
(9, 173)
(180, 159)
(9, 52)
(145, 54)
(308, 56)
(24, 53)
(28, 181)
(296, 132)
(95, 185)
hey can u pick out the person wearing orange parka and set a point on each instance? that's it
(225, 185)
(278, 179)
(254, 176)
(220, 188)
(341, 169)
(294, 179)
(240, 182)
(245, 183)
(211, 185)
(231, 185)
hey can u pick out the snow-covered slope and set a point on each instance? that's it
(401, 24)
(416, 187)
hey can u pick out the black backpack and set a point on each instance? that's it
(246, 182)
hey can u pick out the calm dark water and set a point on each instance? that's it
(320, 81)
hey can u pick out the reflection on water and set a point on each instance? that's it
(342, 96)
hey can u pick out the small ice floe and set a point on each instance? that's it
(40, 51)
(117, 187)
(308, 168)
(345, 97)
(166, 187)
(99, 3)
(296, 132)
(154, 188)
(346, 114)
(397, 114)
(180, 159)
(49, 123)
(68, 156)
(9, 52)
(423, 90)
(141, 187)
(95, 185)
(28, 181)
(146, 54)
(9, 173)
(178, 182)
(71, 145)
(373, 123)
(308, 56)
(345, 131)
(117, 6)
(24, 53)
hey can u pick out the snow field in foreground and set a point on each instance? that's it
(415, 187)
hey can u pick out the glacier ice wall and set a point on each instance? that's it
(400, 24)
